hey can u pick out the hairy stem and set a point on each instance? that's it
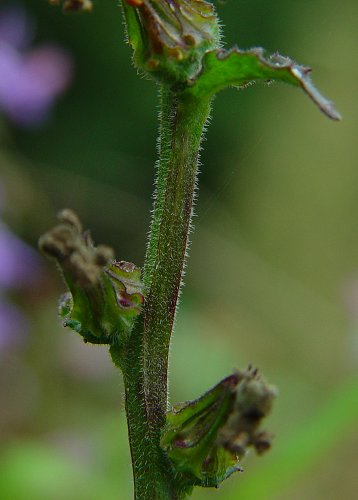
(145, 362)
(152, 473)
(181, 128)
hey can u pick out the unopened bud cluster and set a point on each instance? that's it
(170, 37)
(105, 296)
(74, 5)
(206, 438)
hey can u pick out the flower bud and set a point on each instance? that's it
(105, 295)
(74, 5)
(206, 438)
(170, 37)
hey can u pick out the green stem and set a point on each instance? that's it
(181, 127)
(153, 478)
(145, 364)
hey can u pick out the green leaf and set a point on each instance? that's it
(222, 69)
(206, 438)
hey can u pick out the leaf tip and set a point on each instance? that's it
(324, 104)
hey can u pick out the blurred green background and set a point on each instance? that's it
(272, 278)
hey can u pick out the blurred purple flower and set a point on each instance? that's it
(16, 28)
(31, 79)
(20, 270)
(13, 325)
(19, 263)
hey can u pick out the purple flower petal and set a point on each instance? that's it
(16, 28)
(50, 69)
(2, 196)
(30, 83)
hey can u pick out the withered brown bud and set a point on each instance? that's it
(74, 250)
(105, 296)
(254, 399)
(74, 5)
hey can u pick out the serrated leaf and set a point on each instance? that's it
(222, 69)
